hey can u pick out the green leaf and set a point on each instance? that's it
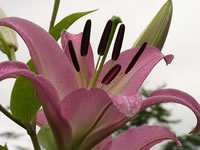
(46, 138)
(156, 32)
(24, 104)
(3, 147)
(66, 22)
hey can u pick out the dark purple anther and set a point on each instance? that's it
(73, 56)
(111, 74)
(86, 38)
(104, 38)
(136, 57)
(118, 42)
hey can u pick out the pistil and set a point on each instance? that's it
(112, 27)
(117, 45)
(101, 49)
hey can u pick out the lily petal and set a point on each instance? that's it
(82, 108)
(41, 119)
(123, 108)
(142, 138)
(176, 96)
(48, 98)
(76, 40)
(128, 105)
(8, 66)
(110, 122)
(134, 79)
(47, 56)
(105, 144)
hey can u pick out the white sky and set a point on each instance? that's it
(183, 41)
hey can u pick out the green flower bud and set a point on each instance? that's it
(8, 40)
(156, 32)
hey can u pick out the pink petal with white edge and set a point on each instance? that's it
(175, 96)
(128, 105)
(134, 79)
(76, 40)
(83, 108)
(47, 56)
(49, 100)
(142, 138)
(41, 119)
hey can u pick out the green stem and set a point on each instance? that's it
(84, 69)
(54, 14)
(12, 54)
(8, 114)
(94, 73)
(82, 79)
(30, 130)
(32, 133)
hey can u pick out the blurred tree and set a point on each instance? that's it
(189, 142)
(157, 113)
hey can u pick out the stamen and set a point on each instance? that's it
(73, 56)
(75, 62)
(111, 74)
(115, 21)
(104, 38)
(136, 57)
(130, 66)
(118, 42)
(86, 38)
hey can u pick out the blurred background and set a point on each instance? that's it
(182, 41)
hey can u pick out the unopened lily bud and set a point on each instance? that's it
(156, 32)
(7, 36)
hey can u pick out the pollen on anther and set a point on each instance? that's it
(85, 38)
(111, 74)
(104, 38)
(73, 56)
(118, 42)
(136, 57)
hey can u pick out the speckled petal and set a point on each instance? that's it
(131, 82)
(47, 56)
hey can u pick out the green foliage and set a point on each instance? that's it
(3, 147)
(10, 135)
(156, 32)
(65, 23)
(46, 138)
(189, 142)
(24, 104)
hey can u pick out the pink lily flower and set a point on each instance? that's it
(83, 108)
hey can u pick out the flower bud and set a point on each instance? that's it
(7, 37)
(156, 32)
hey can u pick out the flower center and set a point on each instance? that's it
(102, 51)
